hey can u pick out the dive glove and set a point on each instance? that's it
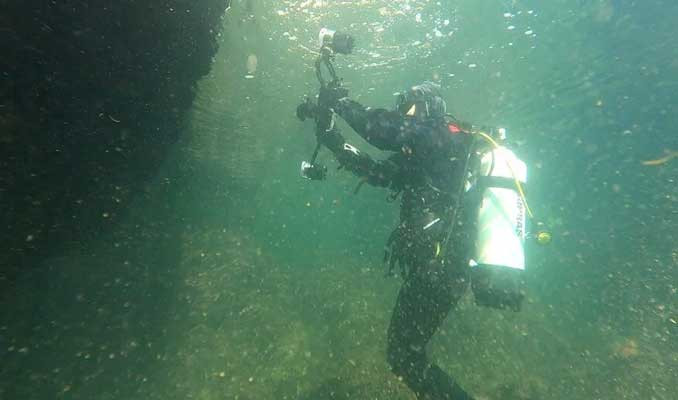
(329, 95)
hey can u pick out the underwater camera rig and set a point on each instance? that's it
(331, 43)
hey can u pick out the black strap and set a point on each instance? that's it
(497, 182)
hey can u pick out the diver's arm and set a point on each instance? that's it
(375, 172)
(381, 128)
(389, 130)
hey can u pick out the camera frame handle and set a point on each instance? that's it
(325, 57)
(315, 153)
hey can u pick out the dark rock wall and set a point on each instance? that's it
(92, 96)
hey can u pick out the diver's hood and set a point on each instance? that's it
(422, 101)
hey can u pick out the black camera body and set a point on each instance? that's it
(306, 110)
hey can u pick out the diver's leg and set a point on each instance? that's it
(424, 300)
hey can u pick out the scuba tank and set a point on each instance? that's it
(498, 259)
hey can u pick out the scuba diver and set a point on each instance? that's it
(433, 159)
(429, 150)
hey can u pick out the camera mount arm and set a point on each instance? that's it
(325, 57)
(331, 43)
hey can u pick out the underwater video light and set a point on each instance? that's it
(339, 42)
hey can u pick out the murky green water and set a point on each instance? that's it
(231, 277)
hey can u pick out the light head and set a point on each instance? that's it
(339, 42)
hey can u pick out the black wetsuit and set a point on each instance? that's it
(426, 168)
